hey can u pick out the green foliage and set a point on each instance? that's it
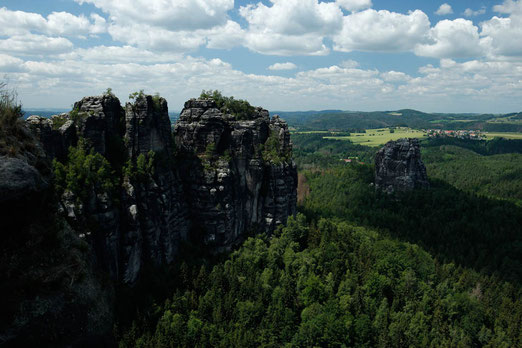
(483, 147)
(272, 152)
(156, 101)
(58, 121)
(351, 288)
(15, 138)
(346, 272)
(313, 151)
(497, 176)
(456, 226)
(210, 150)
(83, 173)
(137, 95)
(240, 109)
(141, 169)
(109, 92)
(78, 116)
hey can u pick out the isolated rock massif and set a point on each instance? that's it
(398, 166)
(212, 180)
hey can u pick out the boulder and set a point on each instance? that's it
(19, 181)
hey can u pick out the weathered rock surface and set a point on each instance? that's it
(19, 181)
(214, 179)
(100, 120)
(55, 140)
(50, 292)
(398, 167)
(229, 187)
(230, 177)
(155, 219)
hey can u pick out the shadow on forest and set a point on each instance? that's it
(469, 230)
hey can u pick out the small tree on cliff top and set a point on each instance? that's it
(241, 109)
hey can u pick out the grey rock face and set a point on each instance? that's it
(147, 126)
(155, 220)
(398, 167)
(100, 120)
(221, 185)
(229, 187)
(19, 180)
(55, 140)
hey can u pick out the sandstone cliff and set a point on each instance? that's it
(230, 182)
(212, 180)
(398, 167)
(125, 189)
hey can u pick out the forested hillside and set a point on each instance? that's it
(438, 267)
(497, 176)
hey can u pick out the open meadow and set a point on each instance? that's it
(506, 135)
(377, 137)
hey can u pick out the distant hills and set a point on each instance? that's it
(335, 120)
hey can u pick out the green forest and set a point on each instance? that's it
(429, 268)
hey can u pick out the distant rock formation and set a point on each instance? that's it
(398, 167)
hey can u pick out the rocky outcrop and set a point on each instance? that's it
(19, 181)
(50, 293)
(56, 134)
(213, 179)
(398, 167)
(155, 218)
(100, 121)
(230, 185)
(127, 197)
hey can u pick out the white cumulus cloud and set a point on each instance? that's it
(382, 31)
(472, 13)
(501, 35)
(32, 44)
(56, 23)
(282, 66)
(444, 9)
(458, 38)
(290, 26)
(354, 5)
(173, 15)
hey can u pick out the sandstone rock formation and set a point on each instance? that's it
(213, 179)
(230, 184)
(222, 178)
(398, 167)
(50, 292)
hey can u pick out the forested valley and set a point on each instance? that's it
(439, 267)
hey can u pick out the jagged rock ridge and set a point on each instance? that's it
(228, 177)
(398, 166)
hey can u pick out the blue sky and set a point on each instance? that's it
(436, 56)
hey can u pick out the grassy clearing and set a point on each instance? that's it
(377, 137)
(509, 119)
(313, 132)
(506, 135)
